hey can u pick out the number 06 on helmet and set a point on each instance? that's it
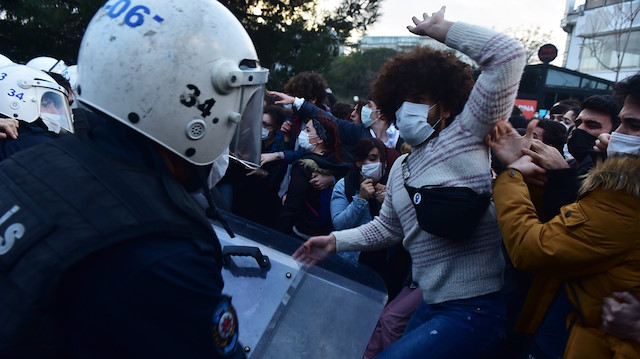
(183, 73)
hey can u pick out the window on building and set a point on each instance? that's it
(592, 4)
(611, 2)
(599, 53)
(558, 78)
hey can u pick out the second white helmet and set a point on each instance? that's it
(28, 94)
(47, 64)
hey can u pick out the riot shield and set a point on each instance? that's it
(288, 311)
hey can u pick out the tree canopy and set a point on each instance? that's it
(31, 28)
(532, 38)
(290, 36)
(293, 36)
(352, 75)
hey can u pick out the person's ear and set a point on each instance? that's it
(445, 118)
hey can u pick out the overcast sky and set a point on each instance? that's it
(497, 14)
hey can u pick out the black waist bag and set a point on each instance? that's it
(449, 212)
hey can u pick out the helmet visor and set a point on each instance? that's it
(54, 107)
(246, 143)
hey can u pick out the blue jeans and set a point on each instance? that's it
(465, 328)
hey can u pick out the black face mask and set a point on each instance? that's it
(580, 144)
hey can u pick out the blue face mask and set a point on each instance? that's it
(365, 116)
(621, 144)
(303, 140)
(411, 120)
(265, 134)
(372, 171)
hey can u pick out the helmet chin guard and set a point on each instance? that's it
(183, 73)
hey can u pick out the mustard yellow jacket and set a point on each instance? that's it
(593, 245)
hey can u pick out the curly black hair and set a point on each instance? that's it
(424, 70)
(309, 85)
(629, 87)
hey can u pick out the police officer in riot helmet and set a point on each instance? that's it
(37, 102)
(104, 253)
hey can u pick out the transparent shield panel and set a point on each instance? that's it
(246, 144)
(54, 106)
(286, 310)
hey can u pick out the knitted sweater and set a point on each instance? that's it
(447, 269)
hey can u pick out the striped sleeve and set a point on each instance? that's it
(502, 60)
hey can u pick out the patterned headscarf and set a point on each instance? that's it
(322, 132)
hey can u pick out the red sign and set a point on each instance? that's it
(528, 107)
(547, 53)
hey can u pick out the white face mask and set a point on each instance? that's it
(372, 171)
(264, 134)
(303, 140)
(411, 120)
(51, 121)
(365, 116)
(621, 144)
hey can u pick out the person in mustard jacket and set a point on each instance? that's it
(593, 244)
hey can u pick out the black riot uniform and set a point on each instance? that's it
(104, 255)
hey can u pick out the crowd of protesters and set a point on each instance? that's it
(545, 269)
(497, 236)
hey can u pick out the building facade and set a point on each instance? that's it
(405, 44)
(603, 38)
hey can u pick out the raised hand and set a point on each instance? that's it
(602, 142)
(367, 189)
(507, 144)
(545, 156)
(434, 26)
(284, 98)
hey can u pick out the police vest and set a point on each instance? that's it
(65, 200)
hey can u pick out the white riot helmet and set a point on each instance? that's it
(28, 94)
(183, 73)
(71, 74)
(47, 64)
(5, 61)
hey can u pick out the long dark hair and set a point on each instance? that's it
(360, 153)
(364, 146)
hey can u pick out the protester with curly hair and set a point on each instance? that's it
(456, 258)
(306, 210)
(310, 85)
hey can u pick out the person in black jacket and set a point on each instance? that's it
(37, 102)
(306, 210)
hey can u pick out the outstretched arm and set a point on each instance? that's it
(502, 60)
